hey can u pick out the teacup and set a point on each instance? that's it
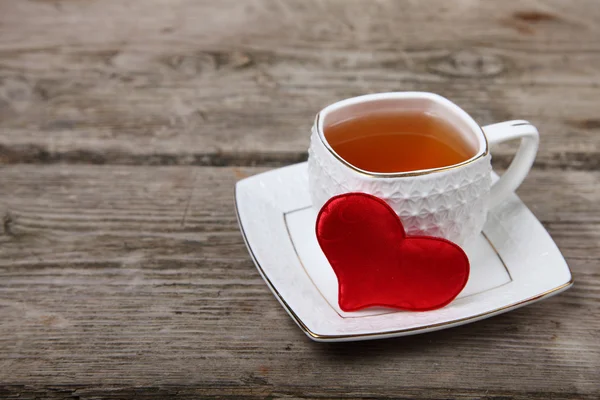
(450, 201)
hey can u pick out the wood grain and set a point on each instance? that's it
(122, 270)
(120, 281)
(238, 83)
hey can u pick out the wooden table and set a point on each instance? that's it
(125, 124)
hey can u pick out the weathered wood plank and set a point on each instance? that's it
(229, 82)
(121, 280)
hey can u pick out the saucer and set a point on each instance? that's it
(514, 262)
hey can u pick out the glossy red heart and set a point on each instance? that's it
(378, 265)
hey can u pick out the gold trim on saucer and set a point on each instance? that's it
(287, 228)
(319, 337)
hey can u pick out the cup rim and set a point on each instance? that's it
(476, 128)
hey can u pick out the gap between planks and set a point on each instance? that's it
(569, 161)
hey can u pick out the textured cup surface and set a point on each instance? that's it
(450, 202)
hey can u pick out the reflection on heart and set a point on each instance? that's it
(378, 265)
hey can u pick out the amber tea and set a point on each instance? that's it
(390, 141)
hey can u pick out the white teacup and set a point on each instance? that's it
(450, 202)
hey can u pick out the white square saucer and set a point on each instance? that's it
(514, 262)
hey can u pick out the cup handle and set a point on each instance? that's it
(521, 163)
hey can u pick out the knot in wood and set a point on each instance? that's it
(468, 63)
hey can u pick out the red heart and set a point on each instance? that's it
(378, 265)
